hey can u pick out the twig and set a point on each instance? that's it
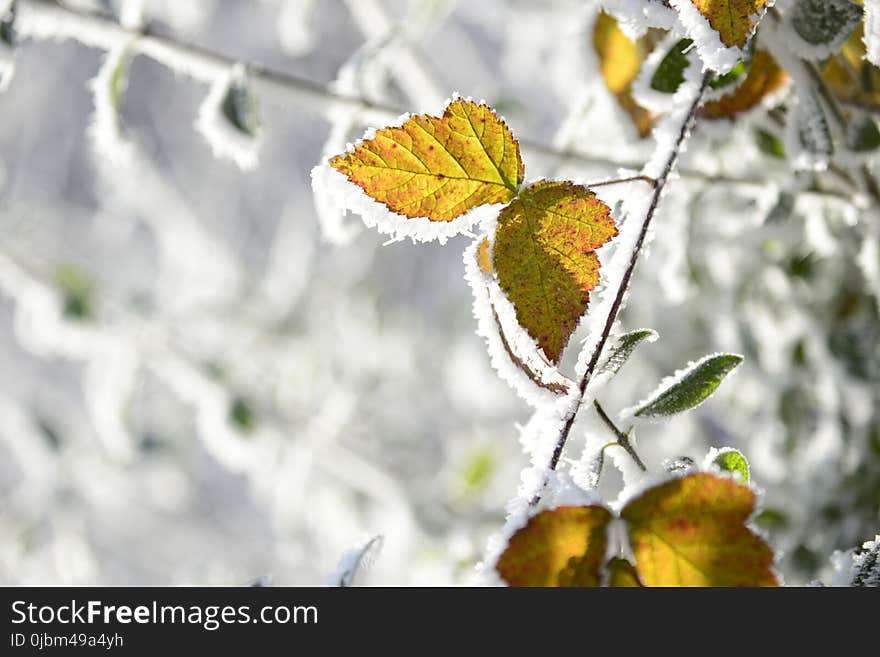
(616, 306)
(42, 20)
(622, 438)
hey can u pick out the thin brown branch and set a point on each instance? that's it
(617, 304)
(557, 388)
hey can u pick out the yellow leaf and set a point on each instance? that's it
(732, 19)
(438, 167)
(562, 547)
(852, 78)
(545, 260)
(620, 59)
(765, 77)
(691, 532)
(621, 573)
(484, 258)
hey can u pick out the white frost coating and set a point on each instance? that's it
(294, 28)
(335, 193)
(132, 14)
(226, 140)
(869, 262)
(667, 383)
(7, 68)
(848, 565)
(7, 52)
(635, 17)
(486, 294)
(808, 121)
(355, 561)
(872, 31)
(807, 136)
(714, 53)
(106, 129)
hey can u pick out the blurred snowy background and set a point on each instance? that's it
(204, 380)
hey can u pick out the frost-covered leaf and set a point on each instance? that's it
(866, 565)
(623, 349)
(7, 24)
(734, 20)
(562, 547)
(764, 77)
(438, 167)
(240, 109)
(688, 388)
(732, 460)
(545, 260)
(355, 561)
(669, 75)
(809, 141)
(621, 573)
(692, 531)
(734, 75)
(108, 87)
(229, 121)
(824, 22)
(620, 59)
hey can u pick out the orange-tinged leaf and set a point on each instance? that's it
(621, 573)
(732, 19)
(691, 532)
(545, 260)
(765, 77)
(620, 59)
(484, 258)
(562, 547)
(438, 167)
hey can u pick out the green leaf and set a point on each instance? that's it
(545, 259)
(623, 349)
(862, 134)
(689, 388)
(824, 22)
(7, 27)
(77, 290)
(242, 415)
(770, 144)
(732, 460)
(240, 109)
(734, 74)
(669, 75)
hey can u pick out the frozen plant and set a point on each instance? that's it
(705, 221)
